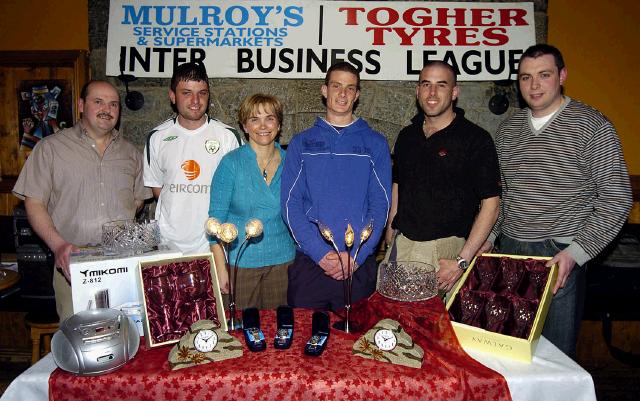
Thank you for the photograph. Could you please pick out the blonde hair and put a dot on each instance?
(250, 105)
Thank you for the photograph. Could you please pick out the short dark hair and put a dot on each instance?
(542, 49)
(440, 63)
(189, 72)
(343, 66)
(84, 91)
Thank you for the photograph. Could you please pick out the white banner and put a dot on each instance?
(301, 39)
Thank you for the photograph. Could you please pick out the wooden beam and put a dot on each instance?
(635, 187)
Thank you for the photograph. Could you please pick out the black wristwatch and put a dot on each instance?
(462, 263)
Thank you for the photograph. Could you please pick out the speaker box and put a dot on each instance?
(22, 231)
(35, 265)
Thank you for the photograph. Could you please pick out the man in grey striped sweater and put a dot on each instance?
(565, 186)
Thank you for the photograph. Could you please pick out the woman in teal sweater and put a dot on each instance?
(246, 185)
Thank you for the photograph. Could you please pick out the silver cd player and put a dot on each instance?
(95, 342)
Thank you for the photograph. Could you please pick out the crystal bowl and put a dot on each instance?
(130, 237)
(407, 281)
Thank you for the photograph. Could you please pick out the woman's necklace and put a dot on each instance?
(264, 171)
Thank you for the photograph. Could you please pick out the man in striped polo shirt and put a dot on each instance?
(565, 186)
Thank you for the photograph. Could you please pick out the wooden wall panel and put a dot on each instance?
(13, 331)
(7, 199)
(7, 203)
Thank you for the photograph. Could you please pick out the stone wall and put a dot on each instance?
(386, 105)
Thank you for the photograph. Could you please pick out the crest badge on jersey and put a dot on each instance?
(212, 146)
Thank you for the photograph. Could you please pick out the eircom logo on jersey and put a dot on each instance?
(191, 170)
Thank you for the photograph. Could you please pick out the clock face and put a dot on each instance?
(385, 339)
(205, 341)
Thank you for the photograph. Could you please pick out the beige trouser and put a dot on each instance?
(64, 302)
(261, 287)
(428, 252)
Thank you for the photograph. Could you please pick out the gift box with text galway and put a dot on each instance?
(176, 293)
(501, 302)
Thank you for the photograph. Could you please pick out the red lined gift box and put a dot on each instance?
(176, 293)
(501, 302)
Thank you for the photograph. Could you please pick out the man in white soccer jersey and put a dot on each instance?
(181, 155)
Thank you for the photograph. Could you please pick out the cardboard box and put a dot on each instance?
(152, 335)
(502, 345)
(110, 281)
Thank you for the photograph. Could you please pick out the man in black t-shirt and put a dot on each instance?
(446, 181)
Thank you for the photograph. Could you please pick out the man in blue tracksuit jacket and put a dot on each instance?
(337, 172)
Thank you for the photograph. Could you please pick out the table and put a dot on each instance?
(551, 376)
(8, 278)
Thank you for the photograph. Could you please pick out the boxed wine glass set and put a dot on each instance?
(501, 302)
(176, 293)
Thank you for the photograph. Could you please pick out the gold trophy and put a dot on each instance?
(227, 233)
(347, 283)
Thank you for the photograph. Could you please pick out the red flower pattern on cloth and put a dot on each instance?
(447, 372)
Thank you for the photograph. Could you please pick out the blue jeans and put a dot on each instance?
(565, 312)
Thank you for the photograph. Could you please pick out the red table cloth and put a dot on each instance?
(447, 372)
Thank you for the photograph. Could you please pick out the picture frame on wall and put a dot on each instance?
(22, 71)
(44, 108)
